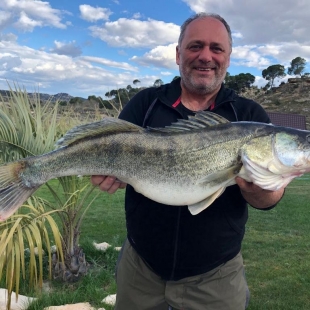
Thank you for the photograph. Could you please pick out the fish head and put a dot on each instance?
(292, 149)
(274, 159)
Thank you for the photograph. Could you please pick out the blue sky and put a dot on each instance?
(90, 47)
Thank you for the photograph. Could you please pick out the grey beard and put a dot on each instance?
(202, 89)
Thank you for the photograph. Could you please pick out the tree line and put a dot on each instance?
(117, 98)
(242, 81)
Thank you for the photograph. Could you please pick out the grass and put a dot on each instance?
(276, 252)
(98, 283)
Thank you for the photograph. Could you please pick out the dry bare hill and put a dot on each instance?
(292, 97)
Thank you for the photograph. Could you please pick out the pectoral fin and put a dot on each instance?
(221, 177)
(200, 206)
(219, 181)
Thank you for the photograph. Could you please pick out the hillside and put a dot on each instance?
(43, 97)
(292, 97)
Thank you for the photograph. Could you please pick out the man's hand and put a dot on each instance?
(106, 183)
(258, 197)
(248, 187)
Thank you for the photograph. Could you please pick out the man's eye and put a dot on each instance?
(217, 49)
(195, 47)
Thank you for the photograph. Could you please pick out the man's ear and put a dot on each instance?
(177, 55)
(228, 63)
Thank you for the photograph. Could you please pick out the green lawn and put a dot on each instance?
(276, 252)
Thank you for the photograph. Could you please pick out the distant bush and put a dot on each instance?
(276, 101)
(105, 104)
(75, 100)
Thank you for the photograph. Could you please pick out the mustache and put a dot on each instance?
(206, 65)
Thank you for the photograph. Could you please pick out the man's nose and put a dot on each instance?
(205, 54)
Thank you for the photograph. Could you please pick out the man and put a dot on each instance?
(172, 259)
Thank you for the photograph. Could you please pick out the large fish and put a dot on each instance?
(189, 163)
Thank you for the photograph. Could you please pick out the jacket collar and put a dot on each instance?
(170, 93)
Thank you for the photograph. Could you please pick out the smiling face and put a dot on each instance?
(203, 56)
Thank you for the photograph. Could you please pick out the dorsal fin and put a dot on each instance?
(202, 119)
(107, 126)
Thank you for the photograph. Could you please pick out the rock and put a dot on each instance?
(22, 302)
(103, 246)
(79, 306)
(36, 251)
(294, 80)
(47, 287)
(110, 300)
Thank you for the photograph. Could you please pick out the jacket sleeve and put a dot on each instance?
(259, 114)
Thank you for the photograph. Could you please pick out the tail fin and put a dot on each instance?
(13, 192)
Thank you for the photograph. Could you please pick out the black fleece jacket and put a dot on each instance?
(174, 243)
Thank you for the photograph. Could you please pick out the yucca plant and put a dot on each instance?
(28, 231)
(74, 206)
(27, 128)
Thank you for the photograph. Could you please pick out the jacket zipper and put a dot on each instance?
(176, 244)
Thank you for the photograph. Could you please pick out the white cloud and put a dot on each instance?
(262, 56)
(165, 73)
(69, 49)
(27, 14)
(9, 62)
(93, 14)
(5, 19)
(26, 23)
(261, 21)
(285, 52)
(249, 56)
(160, 56)
(136, 15)
(260, 82)
(109, 63)
(10, 37)
(237, 35)
(134, 33)
(91, 75)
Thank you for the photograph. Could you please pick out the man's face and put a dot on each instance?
(204, 55)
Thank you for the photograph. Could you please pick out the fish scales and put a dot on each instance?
(137, 155)
(190, 163)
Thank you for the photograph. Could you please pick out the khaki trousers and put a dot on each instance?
(138, 288)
